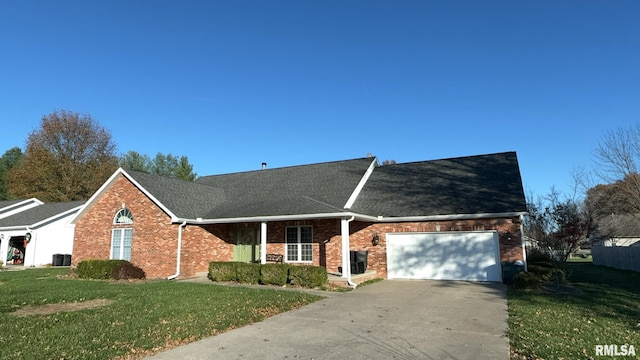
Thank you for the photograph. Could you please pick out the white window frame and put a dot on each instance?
(298, 244)
(120, 250)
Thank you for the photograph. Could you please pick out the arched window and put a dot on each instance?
(123, 216)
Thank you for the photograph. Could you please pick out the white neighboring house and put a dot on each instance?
(37, 233)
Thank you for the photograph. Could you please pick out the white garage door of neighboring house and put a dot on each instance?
(455, 255)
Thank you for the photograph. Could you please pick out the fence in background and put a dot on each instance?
(619, 257)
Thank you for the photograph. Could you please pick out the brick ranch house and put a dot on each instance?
(455, 218)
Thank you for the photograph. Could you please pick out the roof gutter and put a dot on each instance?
(14, 228)
(356, 216)
(448, 217)
(178, 256)
(338, 215)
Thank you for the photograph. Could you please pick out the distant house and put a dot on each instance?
(619, 230)
(455, 218)
(31, 236)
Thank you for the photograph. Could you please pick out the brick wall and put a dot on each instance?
(327, 242)
(203, 244)
(154, 244)
(154, 237)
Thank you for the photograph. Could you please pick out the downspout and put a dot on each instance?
(33, 250)
(346, 257)
(184, 223)
(523, 241)
(3, 252)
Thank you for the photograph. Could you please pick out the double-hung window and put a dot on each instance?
(121, 244)
(122, 237)
(299, 244)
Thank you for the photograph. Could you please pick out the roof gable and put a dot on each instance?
(296, 190)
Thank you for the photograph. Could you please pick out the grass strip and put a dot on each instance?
(600, 306)
(138, 318)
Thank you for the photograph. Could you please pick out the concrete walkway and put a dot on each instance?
(386, 320)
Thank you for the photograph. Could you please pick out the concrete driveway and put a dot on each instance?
(391, 319)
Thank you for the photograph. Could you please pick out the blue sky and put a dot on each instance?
(232, 84)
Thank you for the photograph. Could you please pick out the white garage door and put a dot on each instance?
(456, 255)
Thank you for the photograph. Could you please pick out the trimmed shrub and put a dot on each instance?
(548, 274)
(222, 271)
(540, 258)
(558, 276)
(526, 280)
(248, 273)
(308, 276)
(274, 274)
(127, 271)
(98, 269)
(542, 271)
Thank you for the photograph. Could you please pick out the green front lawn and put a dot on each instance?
(132, 320)
(600, 306)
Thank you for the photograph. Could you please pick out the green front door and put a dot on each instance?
(246, 247)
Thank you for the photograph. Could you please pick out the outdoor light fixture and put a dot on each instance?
(376, 239)
(507, 234)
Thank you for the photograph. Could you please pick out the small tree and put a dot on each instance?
(184, 170)
(559, 227)
(162, 164)
(133, 160)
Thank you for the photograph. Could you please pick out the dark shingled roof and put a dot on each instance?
(296, 190)
(481, 184)
(6, 203)
(39, 213)
(484, 184)
(10, 205)
(185, 199)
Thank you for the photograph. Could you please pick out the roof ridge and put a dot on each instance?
(285, 167)
(453, 158)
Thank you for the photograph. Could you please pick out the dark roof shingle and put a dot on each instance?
(482, 184)
(185, 199)
(296, 190)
